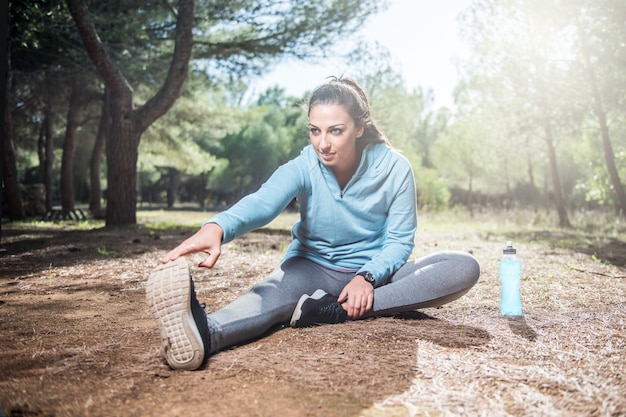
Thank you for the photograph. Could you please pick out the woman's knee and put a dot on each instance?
(462, 268)
(469, 267)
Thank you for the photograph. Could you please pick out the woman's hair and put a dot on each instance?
(348, 93)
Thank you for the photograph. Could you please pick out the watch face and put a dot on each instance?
(369, 277)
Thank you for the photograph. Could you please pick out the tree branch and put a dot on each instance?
(163, 100)
(113, 77)
(596, 273)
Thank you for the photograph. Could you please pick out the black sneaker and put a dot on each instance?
(180, 317)
(318, 308)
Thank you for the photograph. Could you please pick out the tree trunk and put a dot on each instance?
(48, 156)
(128, 123)
(556, 180)
(122, 149)
(69, 148)
(533, 188)
(507, 202)
(9, 165)
(95, 188)
(470, 197)
(174, 179)
(609, 157)
(600, 113)
(41, 151)
(202, 190)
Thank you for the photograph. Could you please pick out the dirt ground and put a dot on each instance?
(77, 339)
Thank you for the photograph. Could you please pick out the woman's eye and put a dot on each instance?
(336, 131)
(314, 130)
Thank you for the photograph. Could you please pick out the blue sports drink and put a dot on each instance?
(510, 279)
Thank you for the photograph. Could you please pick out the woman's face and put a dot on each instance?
(333, 134)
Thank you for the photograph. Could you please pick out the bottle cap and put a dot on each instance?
(509, 250)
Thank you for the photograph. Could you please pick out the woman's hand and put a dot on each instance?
(357, 298)
(208, 240)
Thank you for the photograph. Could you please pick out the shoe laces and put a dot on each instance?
(331, 310)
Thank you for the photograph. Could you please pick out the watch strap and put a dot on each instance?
(369, 277)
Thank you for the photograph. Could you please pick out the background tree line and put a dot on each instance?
(135, 103)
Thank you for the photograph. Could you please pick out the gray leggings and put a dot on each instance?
(427, 282)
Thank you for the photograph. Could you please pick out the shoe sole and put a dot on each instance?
(168, 292)
(297, 312)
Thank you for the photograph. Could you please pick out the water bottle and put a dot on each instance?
(510, 276)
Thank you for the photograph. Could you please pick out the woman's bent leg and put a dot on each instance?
(431, 281)
(268, 303)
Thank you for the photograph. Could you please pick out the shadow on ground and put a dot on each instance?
(606, 249)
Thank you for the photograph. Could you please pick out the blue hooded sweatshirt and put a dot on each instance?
(369, 225)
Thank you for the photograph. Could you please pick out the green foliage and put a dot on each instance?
(186, 139)
(595, 186)
(41, 37)
(102, 250)
(272, 136)
(432, 190)
(413, 126)
(228, 150)
(239, 37)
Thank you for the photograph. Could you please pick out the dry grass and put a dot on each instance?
(564, 357)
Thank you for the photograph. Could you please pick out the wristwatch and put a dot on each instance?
(369, 277)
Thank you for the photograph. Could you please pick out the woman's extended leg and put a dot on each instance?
(188, 335)
(269, 302)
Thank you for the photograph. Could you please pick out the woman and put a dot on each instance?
(349, 250)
